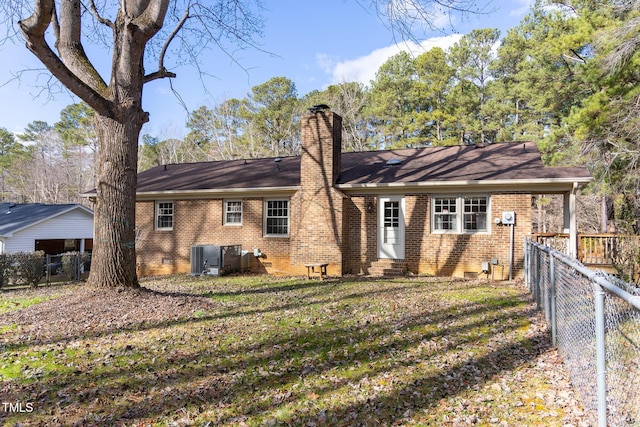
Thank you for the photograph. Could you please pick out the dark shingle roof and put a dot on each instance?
(502, 161)
(15, 217)
(494, 162)
(229, 174)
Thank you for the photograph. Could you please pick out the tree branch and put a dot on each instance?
(171, 37)
(162, 71)
(160, 74)
(98, 17)
(69, 46)
(150, 21)
(33, 29)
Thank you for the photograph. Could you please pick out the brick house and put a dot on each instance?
(435, 210)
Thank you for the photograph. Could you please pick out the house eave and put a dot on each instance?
(215, 193)
(11, 232)
(547, 185)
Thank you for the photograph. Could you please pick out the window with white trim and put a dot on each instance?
(460, 214)
(233, 212)
(475, 214)
(445, 212)
(164, 215)
(276, 218)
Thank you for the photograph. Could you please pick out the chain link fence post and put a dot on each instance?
(595, 324)
(552, 300)
(601, 355)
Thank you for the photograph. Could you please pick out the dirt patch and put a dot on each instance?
(84, 311)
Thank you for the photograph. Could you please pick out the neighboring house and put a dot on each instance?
(436, 210)
(53, 229)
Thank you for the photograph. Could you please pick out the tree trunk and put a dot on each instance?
(114, 255)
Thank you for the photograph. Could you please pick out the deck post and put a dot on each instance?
(571, 220)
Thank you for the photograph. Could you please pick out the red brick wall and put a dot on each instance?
(317, 221)
(327, 226)
(317, 235)
(362, 237)
(441, 254)
(201, 222)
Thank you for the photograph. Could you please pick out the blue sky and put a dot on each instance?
(314, 44)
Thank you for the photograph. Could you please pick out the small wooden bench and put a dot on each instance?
(321, 269)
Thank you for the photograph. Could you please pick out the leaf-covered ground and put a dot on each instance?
(258, 350)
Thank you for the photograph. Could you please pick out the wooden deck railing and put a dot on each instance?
(593, 249)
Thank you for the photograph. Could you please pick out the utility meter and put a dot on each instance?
(508, 218)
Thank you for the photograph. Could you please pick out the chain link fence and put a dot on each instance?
(33, 268)
(595, 323)
(67, 266)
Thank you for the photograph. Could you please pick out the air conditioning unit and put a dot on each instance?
(215, 260)
(245, 261)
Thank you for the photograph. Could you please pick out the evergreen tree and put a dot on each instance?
(272, 119)
(10, 152)
(392, 105)
(471, 58)
(434, 81)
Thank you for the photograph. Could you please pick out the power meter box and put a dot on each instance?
(508, 218)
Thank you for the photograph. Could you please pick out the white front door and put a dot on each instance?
(391, 227)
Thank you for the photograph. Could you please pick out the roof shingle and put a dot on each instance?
(501, 161)
(14, 217)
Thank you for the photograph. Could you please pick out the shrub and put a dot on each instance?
(28, 266)
(70, 265)
(626, 258)
(5, 269)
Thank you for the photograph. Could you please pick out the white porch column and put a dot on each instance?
(571, 220)
(81, 246)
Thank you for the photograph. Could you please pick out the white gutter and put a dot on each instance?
(214, 192)
(540, 184)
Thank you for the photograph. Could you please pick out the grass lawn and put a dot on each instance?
(259, 350)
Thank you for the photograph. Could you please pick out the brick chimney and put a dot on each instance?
(321, 148)
(317, 235)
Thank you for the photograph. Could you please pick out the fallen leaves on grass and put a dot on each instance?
(274, 351)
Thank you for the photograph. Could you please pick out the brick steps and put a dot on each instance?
(388, 268)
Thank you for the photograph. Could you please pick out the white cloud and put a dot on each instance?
(442, 18)
(364, 68)
(325, 62)
(522, 8)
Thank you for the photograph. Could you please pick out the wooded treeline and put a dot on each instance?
(565, 77)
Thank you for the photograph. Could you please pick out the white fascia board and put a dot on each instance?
(550, 185)
(215, 193)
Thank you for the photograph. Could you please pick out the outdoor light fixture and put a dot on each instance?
(369, 207)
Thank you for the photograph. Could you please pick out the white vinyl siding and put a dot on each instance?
(75, 224)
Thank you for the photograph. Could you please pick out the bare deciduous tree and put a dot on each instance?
(136, 32)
